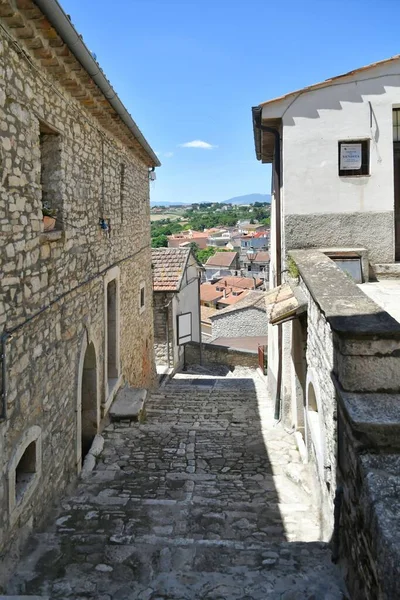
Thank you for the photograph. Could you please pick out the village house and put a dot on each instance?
(226, 291)
(255, 264)
(333, 352)
(244, 323)
(178, 240)
(176, 283)
(220, 264)
(76, 303)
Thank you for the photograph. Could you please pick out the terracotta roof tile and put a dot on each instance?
(168, 268)
(208, 293)
(222, 259)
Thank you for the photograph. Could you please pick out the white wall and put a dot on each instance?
(188, 301)
(313, 124)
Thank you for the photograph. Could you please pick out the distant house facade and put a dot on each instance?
(333, 353)
(176, 280)
(255, 264)
(76, 260)
(222, 263)
(246, 318)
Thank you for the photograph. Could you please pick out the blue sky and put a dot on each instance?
(191, 70)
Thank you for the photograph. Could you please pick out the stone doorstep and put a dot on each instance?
(127, 404)
(376, 416)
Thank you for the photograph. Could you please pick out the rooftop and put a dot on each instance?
(208, 293)
(206, 313)
(250, 299)
(168, 268)
(222, 259)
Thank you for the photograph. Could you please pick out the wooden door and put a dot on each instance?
(397, 200)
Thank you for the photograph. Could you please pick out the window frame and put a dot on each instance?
(142, 295)
(365, 169)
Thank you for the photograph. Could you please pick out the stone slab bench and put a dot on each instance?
(127, 404)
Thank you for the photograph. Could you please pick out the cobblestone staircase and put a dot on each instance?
(192, 503)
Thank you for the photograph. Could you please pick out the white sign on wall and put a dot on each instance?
(350, 157)
(184, 328)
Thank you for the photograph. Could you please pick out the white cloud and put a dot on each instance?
(198, 144)
(168, 154)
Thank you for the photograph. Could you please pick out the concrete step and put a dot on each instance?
(128, 404)
(387, 271)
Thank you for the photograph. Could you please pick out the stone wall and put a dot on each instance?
(352, 425)
(241, 323)
(162, 313)
(220, 355)
(54, 284)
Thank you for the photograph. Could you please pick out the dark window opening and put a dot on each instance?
(142, 297)
(50, 177)
(353, 158)
(112, 338)
(122, 189)
(25, 471)
(396, 124)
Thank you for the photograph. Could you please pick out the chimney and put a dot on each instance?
(254, 283)
(224, 292)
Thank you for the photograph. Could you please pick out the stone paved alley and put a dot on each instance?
(196, 502)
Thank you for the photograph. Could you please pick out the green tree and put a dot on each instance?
(160, 241)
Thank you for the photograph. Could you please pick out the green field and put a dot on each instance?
(161, 216)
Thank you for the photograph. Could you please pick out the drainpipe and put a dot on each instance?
(277, 182)
(4, 375)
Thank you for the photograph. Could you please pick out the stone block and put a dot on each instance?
(128, 404)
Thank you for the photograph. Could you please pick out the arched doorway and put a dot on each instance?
(315, 432)
(88, 408)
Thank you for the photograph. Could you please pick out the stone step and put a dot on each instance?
(128, 404)
(387, 271)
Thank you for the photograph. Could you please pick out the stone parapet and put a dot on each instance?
(220, 355)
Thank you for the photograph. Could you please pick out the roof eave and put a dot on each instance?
(52, 10)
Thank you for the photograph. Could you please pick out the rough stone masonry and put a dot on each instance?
(71, 306)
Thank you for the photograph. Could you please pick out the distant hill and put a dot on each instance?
(249, 199)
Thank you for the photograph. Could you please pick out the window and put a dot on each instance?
(353, 159)
(50, 177)
(396, 124)
(121, 189)
(25, 471)
(112, 366)
(142, 298)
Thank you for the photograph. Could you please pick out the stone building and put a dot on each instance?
(246, 318)
(176, 283)
(333, 352)
(76, 288)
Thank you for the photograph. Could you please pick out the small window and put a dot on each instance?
(142, 298)
(50, 177)
(122, 189)
(396, 124)
(353, 158)
(25, 471)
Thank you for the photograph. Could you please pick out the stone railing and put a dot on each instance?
(353, 367)
(220, 355)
